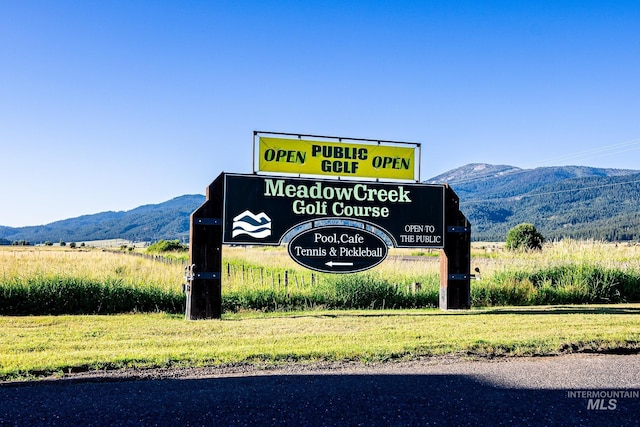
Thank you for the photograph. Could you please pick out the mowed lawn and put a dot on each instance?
(38, 346)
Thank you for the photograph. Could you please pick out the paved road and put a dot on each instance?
(567, 390)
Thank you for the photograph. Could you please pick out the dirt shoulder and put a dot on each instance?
(572, 370)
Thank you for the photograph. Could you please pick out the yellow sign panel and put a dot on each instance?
(358, 160)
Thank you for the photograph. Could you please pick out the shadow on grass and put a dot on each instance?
(565, 309)
(524, 310)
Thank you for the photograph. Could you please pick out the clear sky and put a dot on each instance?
(109, 105)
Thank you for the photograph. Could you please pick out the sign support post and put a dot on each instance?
(455, 257)
(204, 274)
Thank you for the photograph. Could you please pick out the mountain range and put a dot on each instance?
(168, 220)
(564, 201)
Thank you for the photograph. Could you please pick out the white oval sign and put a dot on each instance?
(337, 249)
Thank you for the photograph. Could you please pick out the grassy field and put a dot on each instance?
(40, 280)
(270, 319)
(59, 280)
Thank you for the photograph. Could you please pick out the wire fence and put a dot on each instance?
(240, 273)
(154, 257)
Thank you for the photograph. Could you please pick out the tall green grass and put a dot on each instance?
(373, 291)
(69, 295)
(569, 284)
(350, 291)
(572, 283)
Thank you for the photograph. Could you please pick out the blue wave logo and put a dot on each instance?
(257, 226)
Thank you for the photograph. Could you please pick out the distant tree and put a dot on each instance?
(524, 237)
(72, 245)
(63, 243)
(48, 243)
(21, 243)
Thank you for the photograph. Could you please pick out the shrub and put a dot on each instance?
(167, 246)
(524, 237)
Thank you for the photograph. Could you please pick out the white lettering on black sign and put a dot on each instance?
(326, 200)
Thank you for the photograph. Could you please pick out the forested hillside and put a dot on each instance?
(576, 202)
(168, 220)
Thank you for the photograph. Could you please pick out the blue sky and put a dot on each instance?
(109, 105)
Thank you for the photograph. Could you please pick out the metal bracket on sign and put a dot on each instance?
(207, 221)
(459, 276)
(458, 229)
(206, 275)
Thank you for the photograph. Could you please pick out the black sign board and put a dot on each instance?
(337, 249)
(260, 210)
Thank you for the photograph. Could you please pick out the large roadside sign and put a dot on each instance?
(338, 204)
(338, 157)
(261, 210)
